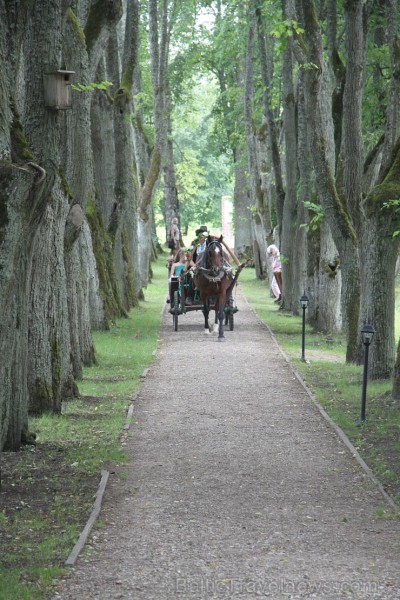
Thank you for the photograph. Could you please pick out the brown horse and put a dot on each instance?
(214, 279)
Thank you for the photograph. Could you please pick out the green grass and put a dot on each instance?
(337, 385)
(49, 488)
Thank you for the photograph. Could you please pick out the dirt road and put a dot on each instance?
(238, 487)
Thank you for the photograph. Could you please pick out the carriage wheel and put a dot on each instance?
(227, 310)
(176, 310)
(229, 316)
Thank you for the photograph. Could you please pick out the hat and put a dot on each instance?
(201, 229)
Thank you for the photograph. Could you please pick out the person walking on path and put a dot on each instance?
(276, 283)
(237, 487)
(175, 236)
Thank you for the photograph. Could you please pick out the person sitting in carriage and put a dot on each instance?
(196, 248)
(183, 263)
(178, 266)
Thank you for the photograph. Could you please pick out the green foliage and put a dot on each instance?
(91, 87)
(377, 78)
(393, 205)
(190, 177)
(317, 216)
(283, 30)
(203, 170)
(308, 66)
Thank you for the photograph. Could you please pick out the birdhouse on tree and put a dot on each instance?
(57, 89)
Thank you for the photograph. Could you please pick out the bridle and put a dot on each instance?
(213, 273)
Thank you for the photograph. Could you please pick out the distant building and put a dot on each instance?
(227, 220)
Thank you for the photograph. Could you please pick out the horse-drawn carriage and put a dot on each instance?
(209, 286)
(182, 302)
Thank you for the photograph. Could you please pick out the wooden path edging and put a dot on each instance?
(77, 549)
(91, 521)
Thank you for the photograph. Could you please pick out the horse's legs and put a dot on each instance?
(221, 336)
(206, 312)
(216, 326)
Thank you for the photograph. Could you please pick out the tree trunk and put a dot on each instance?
(242, 214)
(159, 49)
(123, 223)
(241, 201)
(304, 259)
(171, 204)
(318, 106)
(266, 75)
(147, 159)
(289, 223)
(49, 368)
(378, 259)
(79, 180)
(261, 220)
(329, 319)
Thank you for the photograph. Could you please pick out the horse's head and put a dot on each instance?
(214, 253)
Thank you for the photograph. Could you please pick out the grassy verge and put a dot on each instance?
(48, 489)
(337, 386)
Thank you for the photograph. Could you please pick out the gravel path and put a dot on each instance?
(238, 487)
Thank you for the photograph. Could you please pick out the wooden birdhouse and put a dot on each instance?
(57, 89)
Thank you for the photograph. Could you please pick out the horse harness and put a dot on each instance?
(213, 274)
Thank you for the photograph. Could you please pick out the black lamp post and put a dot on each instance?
(304, 304)
(367, 333)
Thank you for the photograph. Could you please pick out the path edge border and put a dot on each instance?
(91, 521)
(325, 415)
(79, 545)
(77, 549)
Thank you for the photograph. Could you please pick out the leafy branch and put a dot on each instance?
(91, 87)
(284, 30)
(317, 216)
(396, 205)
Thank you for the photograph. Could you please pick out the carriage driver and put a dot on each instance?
(200, 242)
(196, 248)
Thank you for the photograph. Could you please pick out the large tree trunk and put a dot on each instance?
(84, 306)
(23, 202)
(20, 197)
(241, 201)
(329, 319)
(266, 75)
(147, 159)
(261, 217)
(379, 253)
(289, 223)
(171, 204)
(324, 276)
(160, 31)
(318, 106)
(49, 368)
(305, 258)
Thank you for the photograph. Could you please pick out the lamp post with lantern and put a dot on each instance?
(304, 304)
(367, 333)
